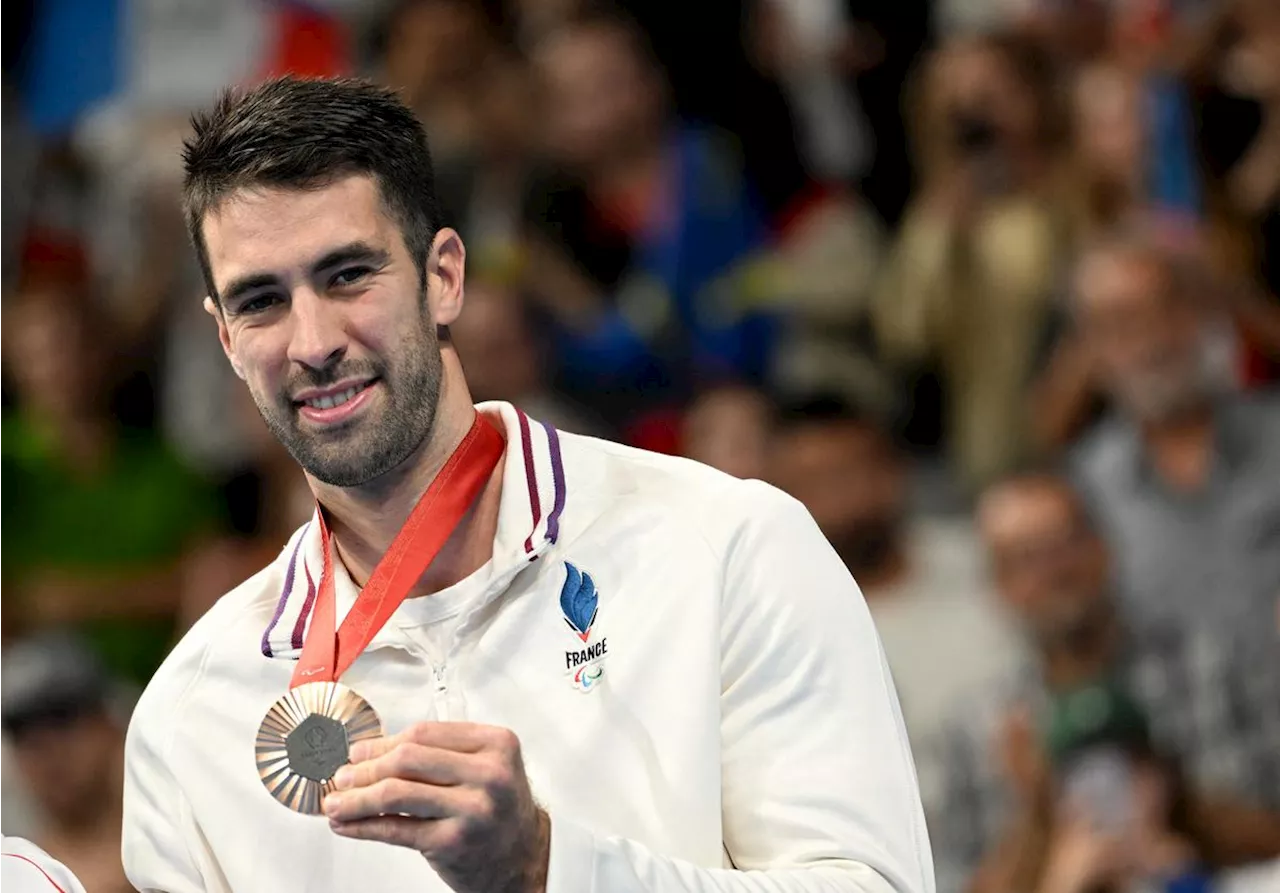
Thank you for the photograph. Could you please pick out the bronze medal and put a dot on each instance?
(306, 737)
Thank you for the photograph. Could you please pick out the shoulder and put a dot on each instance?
(1259, 409)
(681, 491)
(1101, 455)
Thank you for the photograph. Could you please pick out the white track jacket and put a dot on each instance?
(728, 724)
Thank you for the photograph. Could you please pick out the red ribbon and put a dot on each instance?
(326, 655)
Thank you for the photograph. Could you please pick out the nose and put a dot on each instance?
(318, 338)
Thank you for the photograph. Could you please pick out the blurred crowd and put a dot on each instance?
(992, 286)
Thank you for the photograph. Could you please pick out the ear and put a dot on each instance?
(224, 338)
(446, 272)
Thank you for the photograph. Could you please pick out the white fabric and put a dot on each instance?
(745, 718)
(25, 868)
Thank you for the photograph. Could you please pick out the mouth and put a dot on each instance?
(335, 405)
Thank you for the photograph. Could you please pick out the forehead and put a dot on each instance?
(1108, 278)
(1026, 509)
(271, 230)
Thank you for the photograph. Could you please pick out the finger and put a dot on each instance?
(397, 796)
(413, 762)
(393, 829)
(464, 737)
(427, 837)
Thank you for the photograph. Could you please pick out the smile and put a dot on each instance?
(335, 407)
(329, 401)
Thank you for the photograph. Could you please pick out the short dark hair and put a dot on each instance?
(304, 134)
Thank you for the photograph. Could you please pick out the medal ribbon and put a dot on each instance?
(327, 654)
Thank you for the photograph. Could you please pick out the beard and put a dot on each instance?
(364, 450)
(1073, 622)
(1171, 389)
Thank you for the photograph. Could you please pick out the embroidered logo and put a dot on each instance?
(579, 603)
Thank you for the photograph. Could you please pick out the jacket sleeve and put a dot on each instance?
(157, 820)
(819, 790)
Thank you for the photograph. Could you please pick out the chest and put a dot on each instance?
(608, 674)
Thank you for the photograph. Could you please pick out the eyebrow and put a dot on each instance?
(350, 253)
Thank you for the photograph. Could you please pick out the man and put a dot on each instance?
(923, 578)
(67, 740)
(617, 671)
(25, 868)
(1186, 476)
(1216, 711)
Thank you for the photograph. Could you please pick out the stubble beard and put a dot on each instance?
(370, 447)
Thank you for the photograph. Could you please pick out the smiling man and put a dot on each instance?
(498, 657)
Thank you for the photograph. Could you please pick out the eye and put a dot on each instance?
(349, 276)
(257, 304)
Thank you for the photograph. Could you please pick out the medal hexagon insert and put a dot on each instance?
(317, 748)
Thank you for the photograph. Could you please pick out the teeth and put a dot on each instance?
(331, 400)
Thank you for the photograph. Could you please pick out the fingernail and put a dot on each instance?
(331, 804)
(342, 779)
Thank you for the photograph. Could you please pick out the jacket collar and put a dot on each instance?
(530, 512)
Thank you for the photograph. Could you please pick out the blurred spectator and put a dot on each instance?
(730, 427)
(1186, 473)
(1213, 705)
(432, 51)
(923, 578)
(969, 280)
(98, 517)
(1236, 77)
(1122, 819)
(482, 192)
(266, 502)
(66, 730)
(806, 46)
(505, 360)
(632, 240)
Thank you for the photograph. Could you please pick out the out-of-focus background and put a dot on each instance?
(992, 286)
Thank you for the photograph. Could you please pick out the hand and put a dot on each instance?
(457, 793)
(1080, 858)
(1022, 757)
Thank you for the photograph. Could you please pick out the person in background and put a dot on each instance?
(99, 517)
(1121, 821)
(434, 52)
(1185, 473)
(633, 235)
(730, 427)
(922, 577)
(1213, 703)
(60, 715)
(505, 358)
(966, 290)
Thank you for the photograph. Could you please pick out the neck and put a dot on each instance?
(1181, 447)
(1082, 656)
(365, 520)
